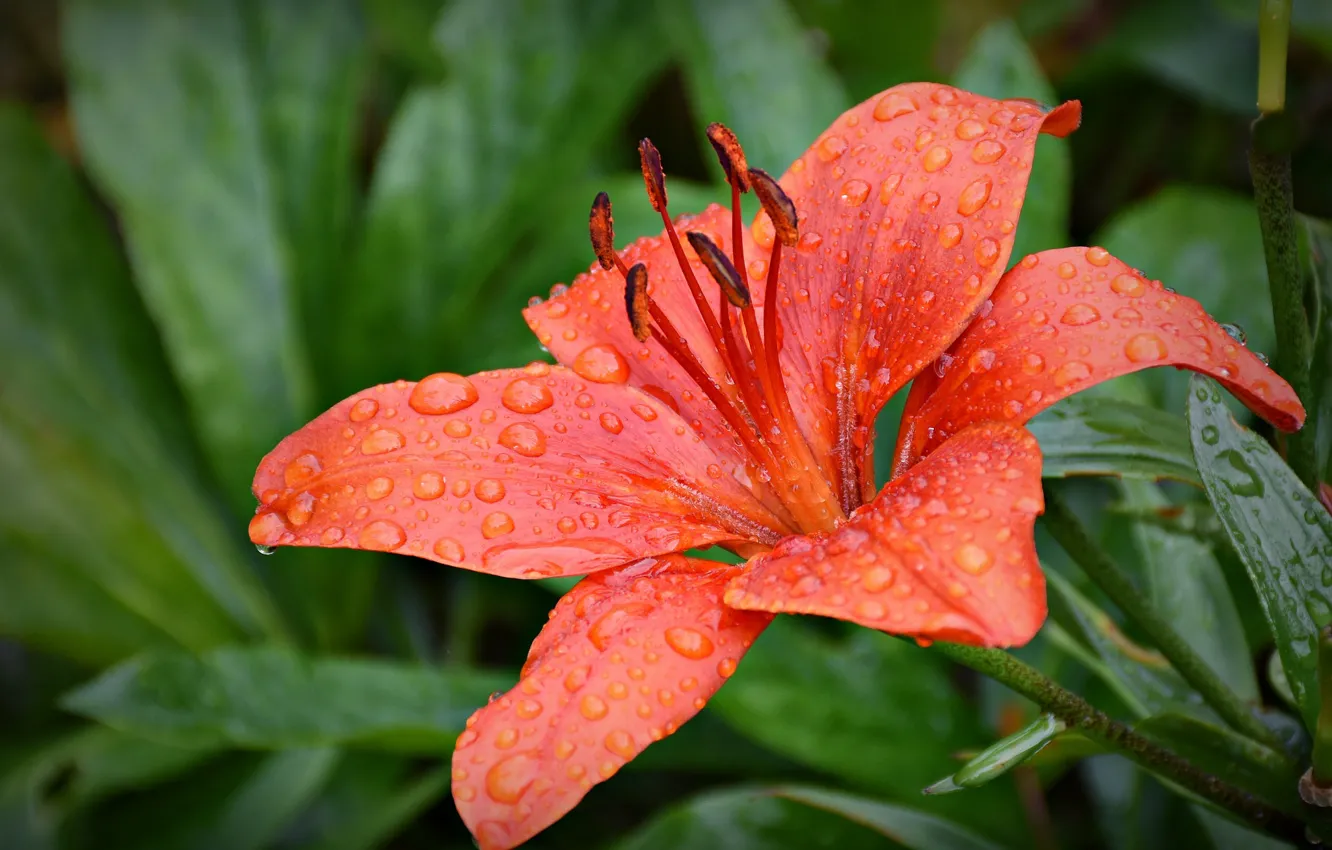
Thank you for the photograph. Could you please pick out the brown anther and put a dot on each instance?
(601, 227)
(730, 155)
(777, 205)
(721, 268)
(636, 301)
(653, 177)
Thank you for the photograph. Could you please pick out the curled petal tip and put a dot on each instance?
(1063, 119)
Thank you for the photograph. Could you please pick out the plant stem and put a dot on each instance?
(1095, 724)
(1269, 165)
(1068, 530)
(1273, 36)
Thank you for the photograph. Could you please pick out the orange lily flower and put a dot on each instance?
(691, 411)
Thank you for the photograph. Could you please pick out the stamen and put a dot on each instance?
(777, 205)
(637, 303)
(601, 227)
(730, 155)
(653, 177)
(721, 269)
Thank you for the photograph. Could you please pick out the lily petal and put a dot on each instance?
(908, 207)
(627, 657)
(1064, 320)
(586, 329)
(525, 473)
(944, 552)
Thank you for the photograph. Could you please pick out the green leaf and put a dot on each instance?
(1141, 677)
(108, 543)
(1000, 65)
(896, 46)
(1102, 436)
(750, 65)
(265, 698)
(1186, 586)
(1318, 239)
(467, 172)
(1203, 243)
(222, 133)
(1227, 755)
(367, 808)
(875, 710)
(40, 789)
(796, 816)
(241, 802)
(1280, 531)
(910, 828)
(1191, 47)
(1001, 756)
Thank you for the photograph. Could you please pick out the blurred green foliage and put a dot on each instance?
(217, 217)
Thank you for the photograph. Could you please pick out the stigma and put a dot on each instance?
(750, 394)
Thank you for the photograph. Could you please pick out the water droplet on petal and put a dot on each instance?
(524, 438)
(489, 490)
(428, 486)
(621, 743)
(496, 524)
(972, 558)
(382, 441)
(970, 129)
(611, 422)
(987, 151)
(1236, 333)
(1145, 348)
(363, 409)
(1128, 285)
(690, 643)
(382, 536)
(301, 469)
(1080, 314)
(950, 235)
(508, 779)
(378, 488)
(601, 364)
(264, 550)
(974, 196)
(936, 158)
(593, 707)
(1098, 256)
(525, 395)
(893, 105)
(1071, 372)
(443, 392)
(987, 251)
(854, 192)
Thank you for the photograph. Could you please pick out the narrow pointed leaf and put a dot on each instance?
(796, 816)
(1278, 528)
(1228, 756)
(1141, 676)
(108, 541)
(852, 709)
(264, 698)
(1100, 436)
(1002, 756)
(1001, 65)
(1184, 582)
(750, 65)
(466, 173)
(221, 132)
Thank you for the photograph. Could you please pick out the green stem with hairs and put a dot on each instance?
(1078, 714)
(1066, 528)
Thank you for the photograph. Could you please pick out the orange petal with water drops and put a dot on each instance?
(1064, 320)
(908, 208)
(628, 655)
(526, 473)
(585, 325)
(944, 552)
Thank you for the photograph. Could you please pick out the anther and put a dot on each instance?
(721, 269)
(637, 302)
(777, 205)
(653, 177)
(730, 155)
(601, 227)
